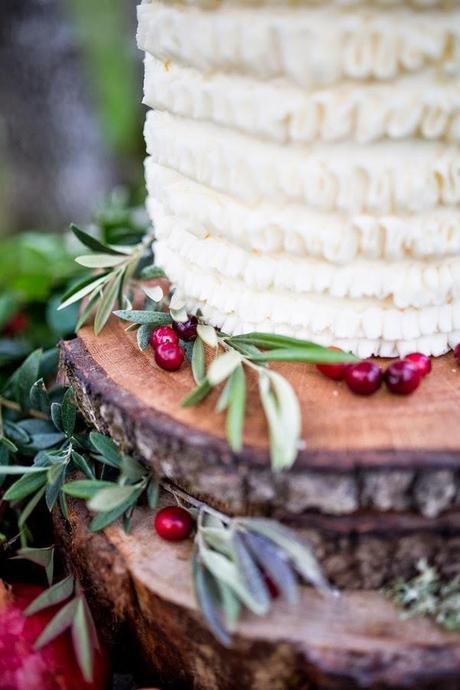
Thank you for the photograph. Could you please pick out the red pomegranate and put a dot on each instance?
(52, 668)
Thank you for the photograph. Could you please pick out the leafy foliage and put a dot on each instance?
(427, 594)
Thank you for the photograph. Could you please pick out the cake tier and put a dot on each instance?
(303, 170)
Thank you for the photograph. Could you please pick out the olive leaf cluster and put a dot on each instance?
(74, 613)
(44, 424)
(108, 283)
(238, 563)
(234, 357)
(427, 594)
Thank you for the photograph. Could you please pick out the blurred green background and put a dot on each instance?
(70, 110)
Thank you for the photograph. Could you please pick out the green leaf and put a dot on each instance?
(106, 447)
(198, 394)
(86, 488)
(111, 498)
(223, 366)
(82, 289)
(104, 519)
(236, 409)
(39, 399)
(151, 272)
(45, 441)
(87, 310)
(26, 485)
(68, 413)
(282, 411)
(231, 605)
(269, 341)
(198, 361)
(156, 293)
(132, 469)
(109, 297)
(143, 336)
(207, 595)
(100, 260)
(55, 594)
(91, 242)
(274, 563)
(315, 355)
(222, 402)
(153, 492)
(61, 622)
(155, 318)
(43, 557)
(226, 570)
(30, 507)
(208, 335)
(56, 417)
(300, 554)
(20, 469)
(250, 573)
(16, 433)
(25, 377)
(9, 445)
(82, 464)
(56, 477)
(81, 638)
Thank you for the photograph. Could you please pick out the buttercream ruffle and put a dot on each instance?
(376, 178)
(279, 111)
(308, 45)
(403, 284)
(297, 230)
(240, 308)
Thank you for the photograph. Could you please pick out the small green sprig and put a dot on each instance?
(427, 594)
(108, 285)
(233, 357)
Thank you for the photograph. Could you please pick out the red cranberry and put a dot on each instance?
(169, 356)
(421, 362)
(457, 353)
(162, 335)
(403, 377)
(16, 325)
(173, 523)
(186, 330)
(336, 372)
(363, 378)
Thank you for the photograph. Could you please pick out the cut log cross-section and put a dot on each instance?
(376, 487)
(355, 641)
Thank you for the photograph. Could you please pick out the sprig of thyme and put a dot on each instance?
(427, 594)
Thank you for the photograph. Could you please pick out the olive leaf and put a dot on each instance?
(151, 272)
(155, 318)
(108, 299)
(43, 557)
(82, 289)
(208, 335)
(143, 336)
(282, 411)
(236, 408)
(85, 488)
(100, 260)
(223, 366)
(55, 594)
(110, 498)
(198, 361)
(93, 243)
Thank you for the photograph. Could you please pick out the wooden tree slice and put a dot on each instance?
(358, 640)
(378, 454)
(370, 509)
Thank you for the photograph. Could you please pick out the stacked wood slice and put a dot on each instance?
(376, 488)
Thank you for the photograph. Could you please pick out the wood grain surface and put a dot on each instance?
(142, 584)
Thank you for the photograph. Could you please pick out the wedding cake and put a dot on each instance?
(303, 167)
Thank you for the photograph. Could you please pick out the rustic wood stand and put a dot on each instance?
(376, 487)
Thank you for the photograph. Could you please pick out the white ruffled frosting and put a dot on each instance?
(283, 112)
(304, 167)
(307, 45)
(377, 178)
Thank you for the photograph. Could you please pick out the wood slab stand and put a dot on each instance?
(376, 487)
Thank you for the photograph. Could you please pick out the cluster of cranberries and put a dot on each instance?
(165, 341)
(364, 378)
